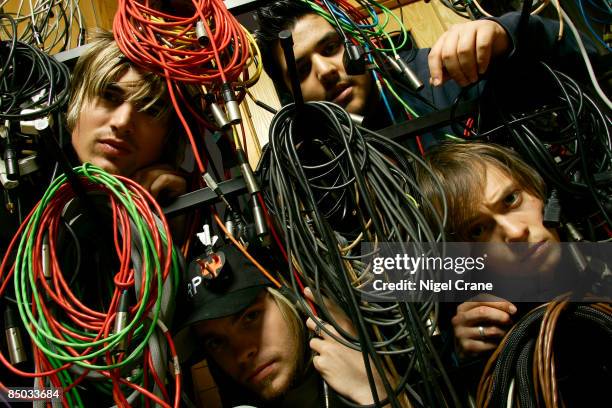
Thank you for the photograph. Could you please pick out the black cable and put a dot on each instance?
(561, 132)
(346, 184)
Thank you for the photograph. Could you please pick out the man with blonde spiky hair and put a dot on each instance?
(121, 119)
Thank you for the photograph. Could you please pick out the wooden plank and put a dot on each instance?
(447, 16)
(264, 91)
(423, 22)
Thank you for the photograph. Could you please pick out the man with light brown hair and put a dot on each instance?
(492, 197)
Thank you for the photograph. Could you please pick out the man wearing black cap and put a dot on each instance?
(256, 343)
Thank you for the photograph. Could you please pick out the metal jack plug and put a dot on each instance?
(14, 342)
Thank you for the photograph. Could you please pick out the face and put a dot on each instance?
(255, 347)
(510, 221)
(113, 134)
(318, 53)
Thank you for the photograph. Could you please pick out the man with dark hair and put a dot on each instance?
(459, 58)
(257, 344)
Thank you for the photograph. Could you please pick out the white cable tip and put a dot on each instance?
(206, 234)
(214, 240)
(202, 237)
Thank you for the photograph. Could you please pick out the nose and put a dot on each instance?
(325, 69)
(512, 229)
(122, 118)
(245, 349)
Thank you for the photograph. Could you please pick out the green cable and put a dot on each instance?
(357, 35)
(23, 267)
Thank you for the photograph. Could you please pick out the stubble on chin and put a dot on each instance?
(268, 392)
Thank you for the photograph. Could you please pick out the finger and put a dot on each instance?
(171, 185)
(318, 363)
(490, 332)
(482, 315)
(502, 305)
(450, 58)
(316, 344)
(470, 332)
(484, 44)
(435, 62)
(473, 347)
(466, 55)
(308, 294)
(144, 179)
(310, 323)
(318, 328)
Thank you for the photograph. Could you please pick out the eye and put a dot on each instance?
(479, 231)
(154, 110)
(303, 70)
(331, 48)
(513, 199)
(251, 316)
(112, 97)
(213, 344)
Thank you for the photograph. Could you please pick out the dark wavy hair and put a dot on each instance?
(273, 18)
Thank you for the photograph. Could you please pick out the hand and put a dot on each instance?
(465, 50)
(341, 367)
(162, 181)
(494, 317)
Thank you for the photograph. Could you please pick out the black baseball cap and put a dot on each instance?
(220, 284)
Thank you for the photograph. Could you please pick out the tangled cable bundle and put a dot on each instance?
(331, 187)
(29, 79)
(524, 369)
(170, 46)
(208, 48)
(366, 27)
(48, 24)
(566, 137)
(73, 324)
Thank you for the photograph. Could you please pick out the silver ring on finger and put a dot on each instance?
(482, 332)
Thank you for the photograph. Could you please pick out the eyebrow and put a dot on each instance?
(113, 87)
(233, 320)
(332, 34)
(496, 200)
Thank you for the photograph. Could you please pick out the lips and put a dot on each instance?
(535, 250)
(261, 372)
(115, 147)
(341, 94)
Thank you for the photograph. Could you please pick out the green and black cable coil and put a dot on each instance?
(530, 366)
(332, 186)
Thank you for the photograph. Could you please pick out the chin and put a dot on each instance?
(110, 167)
(275, 387)
(357, 106)
(273, 390)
